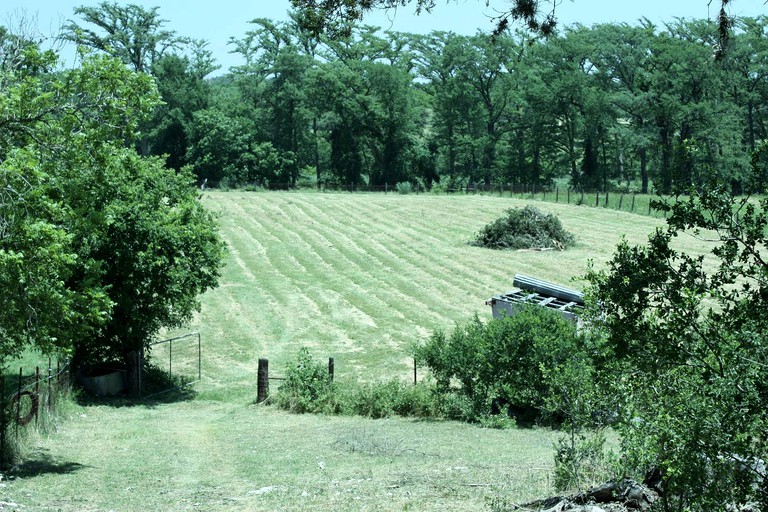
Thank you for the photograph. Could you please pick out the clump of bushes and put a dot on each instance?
(529, 367)
(307, 388)
(510, 366)
(525, 228)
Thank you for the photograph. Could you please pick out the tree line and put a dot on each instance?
(612, 106)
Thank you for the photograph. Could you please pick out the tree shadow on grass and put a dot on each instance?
(43, 463)
(159, 387)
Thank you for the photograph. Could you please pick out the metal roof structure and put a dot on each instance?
(529, 290)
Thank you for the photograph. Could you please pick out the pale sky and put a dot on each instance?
(217, 21)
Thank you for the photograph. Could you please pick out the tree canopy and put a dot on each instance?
(333, 16)
(99, 247)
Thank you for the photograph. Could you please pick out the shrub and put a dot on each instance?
(385, 399)
(581, 462)
(507, 365)
(404, 187)
(524, 229)
(307, 387)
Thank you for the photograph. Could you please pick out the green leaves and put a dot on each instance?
(99, 248)
(518, 363)
(690, 331)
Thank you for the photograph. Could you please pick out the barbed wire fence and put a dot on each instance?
(30, 401)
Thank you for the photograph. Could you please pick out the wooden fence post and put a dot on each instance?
(633, 203)
(3, 419)
(331, 368)
(621, 200)
(262, 386)
(414, 371)
(18, 402)
(37, 395)
(557, 194)
(597, 198)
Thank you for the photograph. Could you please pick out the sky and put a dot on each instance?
(220, 20)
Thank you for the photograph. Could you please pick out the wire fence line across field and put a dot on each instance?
(627, 201)
(183, 367)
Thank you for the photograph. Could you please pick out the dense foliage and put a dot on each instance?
(99, 247)
(686, 337)
(511, 364)
(307, 388)
(525, 228)
(605, 107)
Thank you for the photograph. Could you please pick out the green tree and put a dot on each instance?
(102, 247)
(129, 32)
(184, 91)
(685, 336)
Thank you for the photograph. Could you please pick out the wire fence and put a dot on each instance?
(631, 202)
(30, 401)
(175, 363)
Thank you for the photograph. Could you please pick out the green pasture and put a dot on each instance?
(359, 277)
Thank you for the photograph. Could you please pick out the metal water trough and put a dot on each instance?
(529, 290)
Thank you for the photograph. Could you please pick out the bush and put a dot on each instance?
(307, 387)
(581, 462)
(525, 228)
(509, 364)
(404, 187)
(385, 399)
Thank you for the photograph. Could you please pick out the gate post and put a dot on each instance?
(262, 389)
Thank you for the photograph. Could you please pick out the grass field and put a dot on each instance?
(357, 277)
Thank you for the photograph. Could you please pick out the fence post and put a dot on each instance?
(18, 402)
(606, 199)
(262, 386)
(37, 394)
(569, 196)
(3, 404)
(621, 200)
(414, 371)
(597, 198)
(633, 203)
(557, 194)
(331, 368)
(385, 189)
(50, 377)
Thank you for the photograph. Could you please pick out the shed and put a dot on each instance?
(529, 290)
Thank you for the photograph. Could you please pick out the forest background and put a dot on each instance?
(633, 107)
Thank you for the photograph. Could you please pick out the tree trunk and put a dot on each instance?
(133, 363)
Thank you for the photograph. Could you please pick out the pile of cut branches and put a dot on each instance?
(525, 228)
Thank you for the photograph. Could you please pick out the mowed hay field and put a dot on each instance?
(357, 277)
(361, 277)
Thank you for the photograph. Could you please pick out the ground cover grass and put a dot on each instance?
(359, 277)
